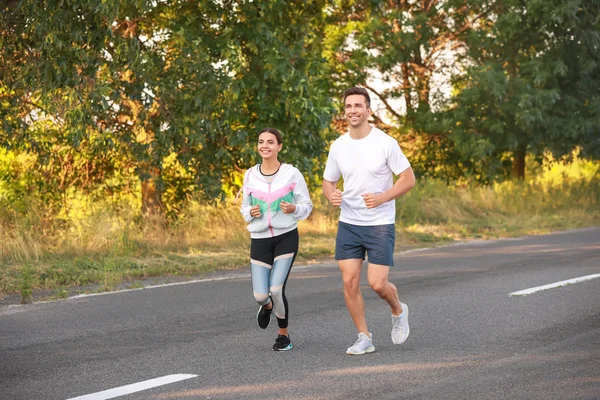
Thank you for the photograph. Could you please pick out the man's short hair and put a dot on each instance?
(358, 90)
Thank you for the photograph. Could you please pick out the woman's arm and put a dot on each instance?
(302, 200)
(246, 202)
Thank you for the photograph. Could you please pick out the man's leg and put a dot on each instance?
(350, 254)
(378, 280)
(354, 301)
(379, 241)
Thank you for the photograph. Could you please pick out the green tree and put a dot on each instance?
(534, 86)
(404, 42)
(279, 78)
(127, 85)
(400, 50)
(48, 58)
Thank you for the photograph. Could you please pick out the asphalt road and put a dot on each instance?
(469, 338)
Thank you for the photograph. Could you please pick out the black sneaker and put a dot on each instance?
(263, 317)
(282, 343)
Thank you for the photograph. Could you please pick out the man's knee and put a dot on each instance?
(379, 285)
(351, 281)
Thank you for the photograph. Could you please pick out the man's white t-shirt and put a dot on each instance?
(366, 165)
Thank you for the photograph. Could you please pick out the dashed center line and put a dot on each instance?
(134, 387)
(525, 292)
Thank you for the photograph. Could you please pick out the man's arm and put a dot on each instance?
(405, 182)
(331, 192)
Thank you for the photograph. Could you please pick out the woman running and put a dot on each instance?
(275, 199)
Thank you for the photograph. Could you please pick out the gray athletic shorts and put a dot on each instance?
(352, 241)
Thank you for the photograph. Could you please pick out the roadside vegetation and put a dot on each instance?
(102, 246)
(125, 126)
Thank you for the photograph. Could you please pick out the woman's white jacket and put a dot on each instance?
(288, 185)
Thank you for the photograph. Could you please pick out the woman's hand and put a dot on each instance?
(287, 208)
(255, 211)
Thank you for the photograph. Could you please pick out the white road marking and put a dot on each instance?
(15, 308)
(525, 292)
(223, 278)
(135, 387)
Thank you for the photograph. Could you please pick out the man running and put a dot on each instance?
(365, 157)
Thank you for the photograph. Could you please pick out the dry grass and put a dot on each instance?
(103, 244)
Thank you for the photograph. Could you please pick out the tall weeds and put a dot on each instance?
(103, 242)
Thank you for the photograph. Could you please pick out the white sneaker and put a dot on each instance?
(363, 345)
(400, 328)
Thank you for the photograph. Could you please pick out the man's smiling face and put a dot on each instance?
(356, 110)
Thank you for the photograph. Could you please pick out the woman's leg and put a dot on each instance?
(285, 253)
(260, 282)
(261, 263)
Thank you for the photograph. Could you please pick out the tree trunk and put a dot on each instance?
(422, 74)
(152, 204)
(406, 88)
(518, 164)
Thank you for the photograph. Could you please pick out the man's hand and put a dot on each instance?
(372, 200)
(336, 198)
(287, 208)
(255, 211)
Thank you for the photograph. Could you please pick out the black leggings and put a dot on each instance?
(271, 261)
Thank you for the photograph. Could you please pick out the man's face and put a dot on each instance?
(356, 110)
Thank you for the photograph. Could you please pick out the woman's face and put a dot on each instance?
(268, 146)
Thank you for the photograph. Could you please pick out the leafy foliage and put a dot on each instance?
(533, 86)
(404, 52)
(91, 88)
(161, 101)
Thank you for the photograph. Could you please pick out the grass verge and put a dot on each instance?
(108, 248)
